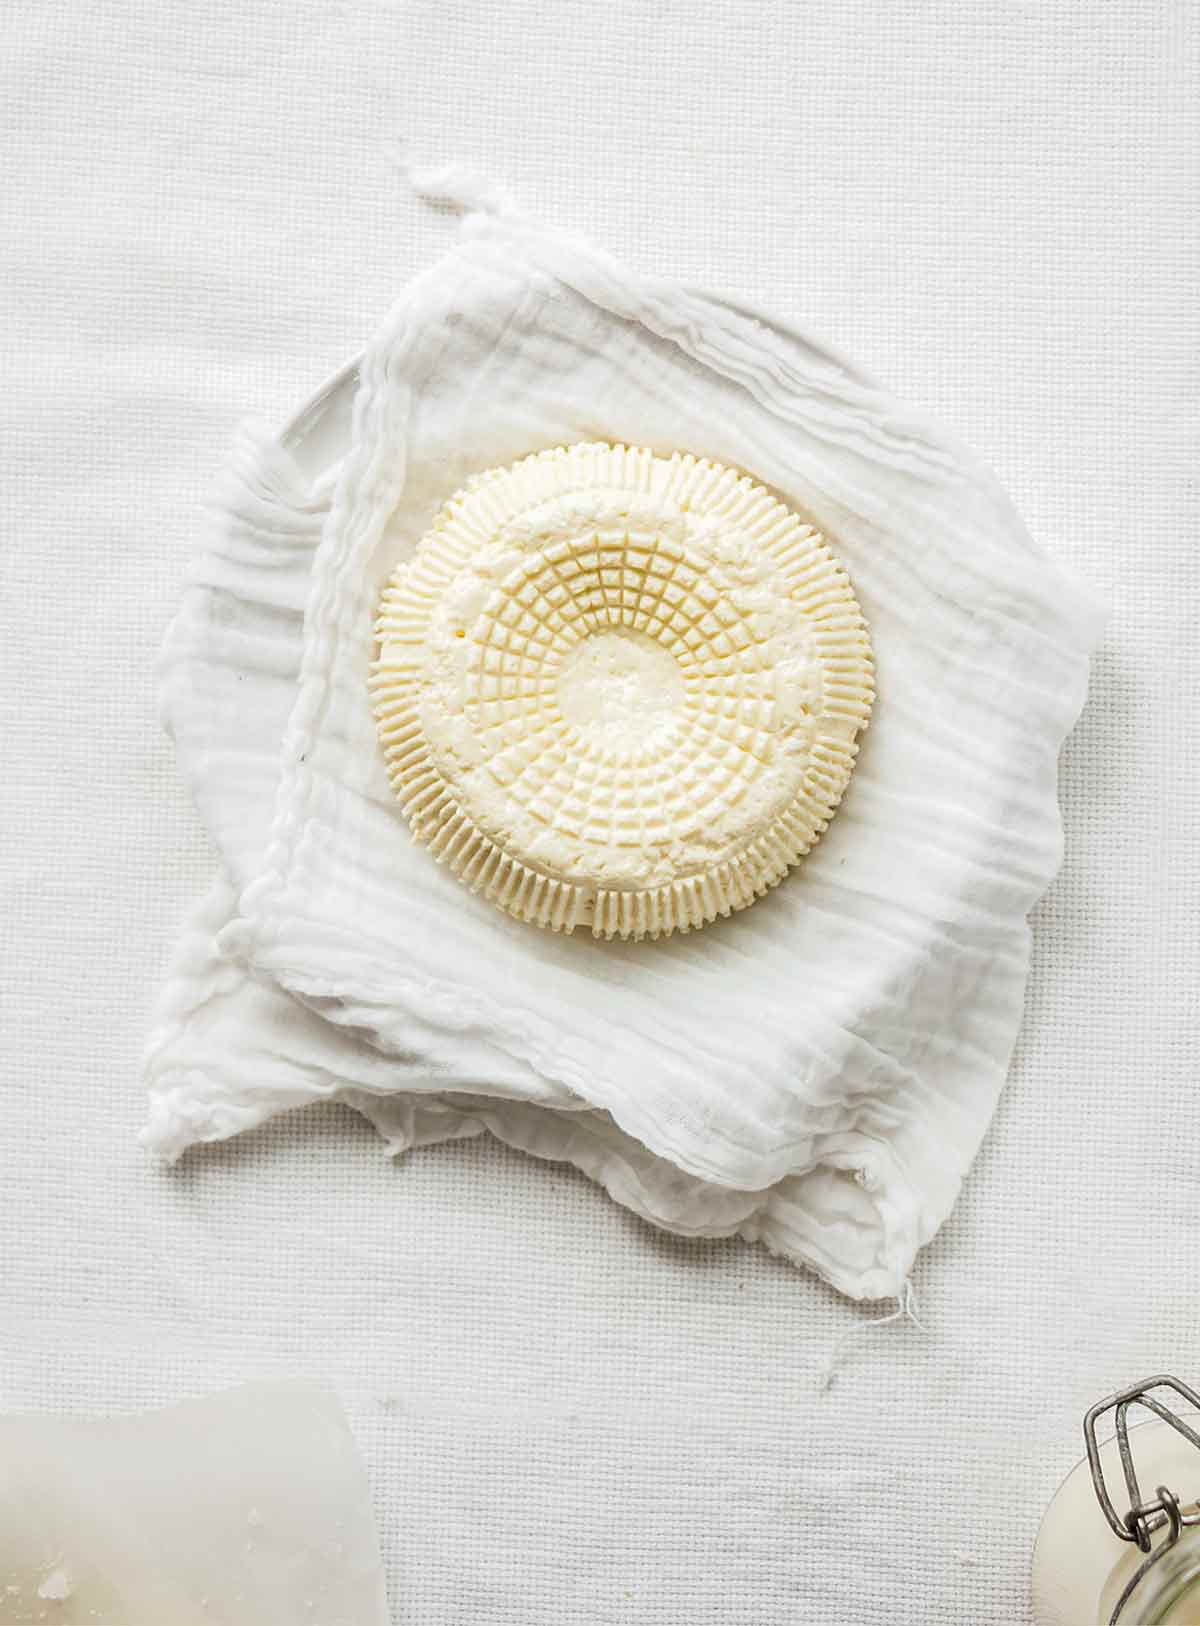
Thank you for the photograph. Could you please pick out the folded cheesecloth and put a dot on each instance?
(499, 727)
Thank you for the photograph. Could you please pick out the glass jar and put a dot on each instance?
(1133, 1561)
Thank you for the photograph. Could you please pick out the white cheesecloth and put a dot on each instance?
(815, 1073)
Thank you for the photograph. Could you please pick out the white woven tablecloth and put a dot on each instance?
(567, 1417)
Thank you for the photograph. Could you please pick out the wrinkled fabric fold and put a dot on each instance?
(815, 1073)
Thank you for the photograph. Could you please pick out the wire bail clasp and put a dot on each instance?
(1144, 1519)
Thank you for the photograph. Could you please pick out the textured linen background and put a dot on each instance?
(567, 1417)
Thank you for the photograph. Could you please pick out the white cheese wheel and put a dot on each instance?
(620, 691)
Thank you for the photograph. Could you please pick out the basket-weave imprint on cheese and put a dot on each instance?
(619, 690)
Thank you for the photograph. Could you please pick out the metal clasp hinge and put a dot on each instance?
(1144, 1518)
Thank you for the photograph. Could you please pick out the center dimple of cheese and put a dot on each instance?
(620, 690)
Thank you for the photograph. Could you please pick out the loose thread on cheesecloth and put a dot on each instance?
(906, 1310)
(455, 184)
